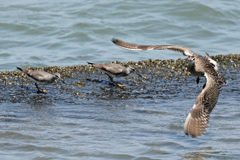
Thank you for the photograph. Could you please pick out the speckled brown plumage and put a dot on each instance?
(198, 118)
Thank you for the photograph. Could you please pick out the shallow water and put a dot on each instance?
(96, 120)
(63, 33)
(100, 121)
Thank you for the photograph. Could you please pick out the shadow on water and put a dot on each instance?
(102, 81)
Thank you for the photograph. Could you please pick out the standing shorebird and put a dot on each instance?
(41, 77)
(184, 50)
(115, 70)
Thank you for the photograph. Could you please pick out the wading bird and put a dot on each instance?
(115, 70)
(41, 77)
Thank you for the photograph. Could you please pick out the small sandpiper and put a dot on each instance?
(184, 50)
(115, 70)
(41, 77)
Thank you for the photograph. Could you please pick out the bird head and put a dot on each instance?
(191, 61)
(132, 70)
(57, 76)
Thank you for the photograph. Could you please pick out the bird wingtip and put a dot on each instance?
(114, 40)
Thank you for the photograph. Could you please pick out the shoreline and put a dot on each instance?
(165, 78)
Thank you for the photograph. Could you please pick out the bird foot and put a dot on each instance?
(39, 89)
(119, 85)
(197, 80)
(204, 86)
(45, 91)
(42, 91)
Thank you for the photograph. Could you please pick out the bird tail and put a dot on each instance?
(89, 63)
(20, 69)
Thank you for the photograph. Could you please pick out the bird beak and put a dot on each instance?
(139, 74)
(61, 80)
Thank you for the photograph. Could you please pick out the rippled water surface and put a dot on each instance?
(103, 122)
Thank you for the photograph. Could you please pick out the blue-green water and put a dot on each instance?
(150, 126)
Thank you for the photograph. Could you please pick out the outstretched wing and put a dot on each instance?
(196, 121)
(198, 118)
(184, 50)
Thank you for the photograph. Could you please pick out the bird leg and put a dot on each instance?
(39, 89)
(204, 86)
(111, 79)
(197, 80)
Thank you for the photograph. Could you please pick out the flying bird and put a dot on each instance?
(197, 120)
